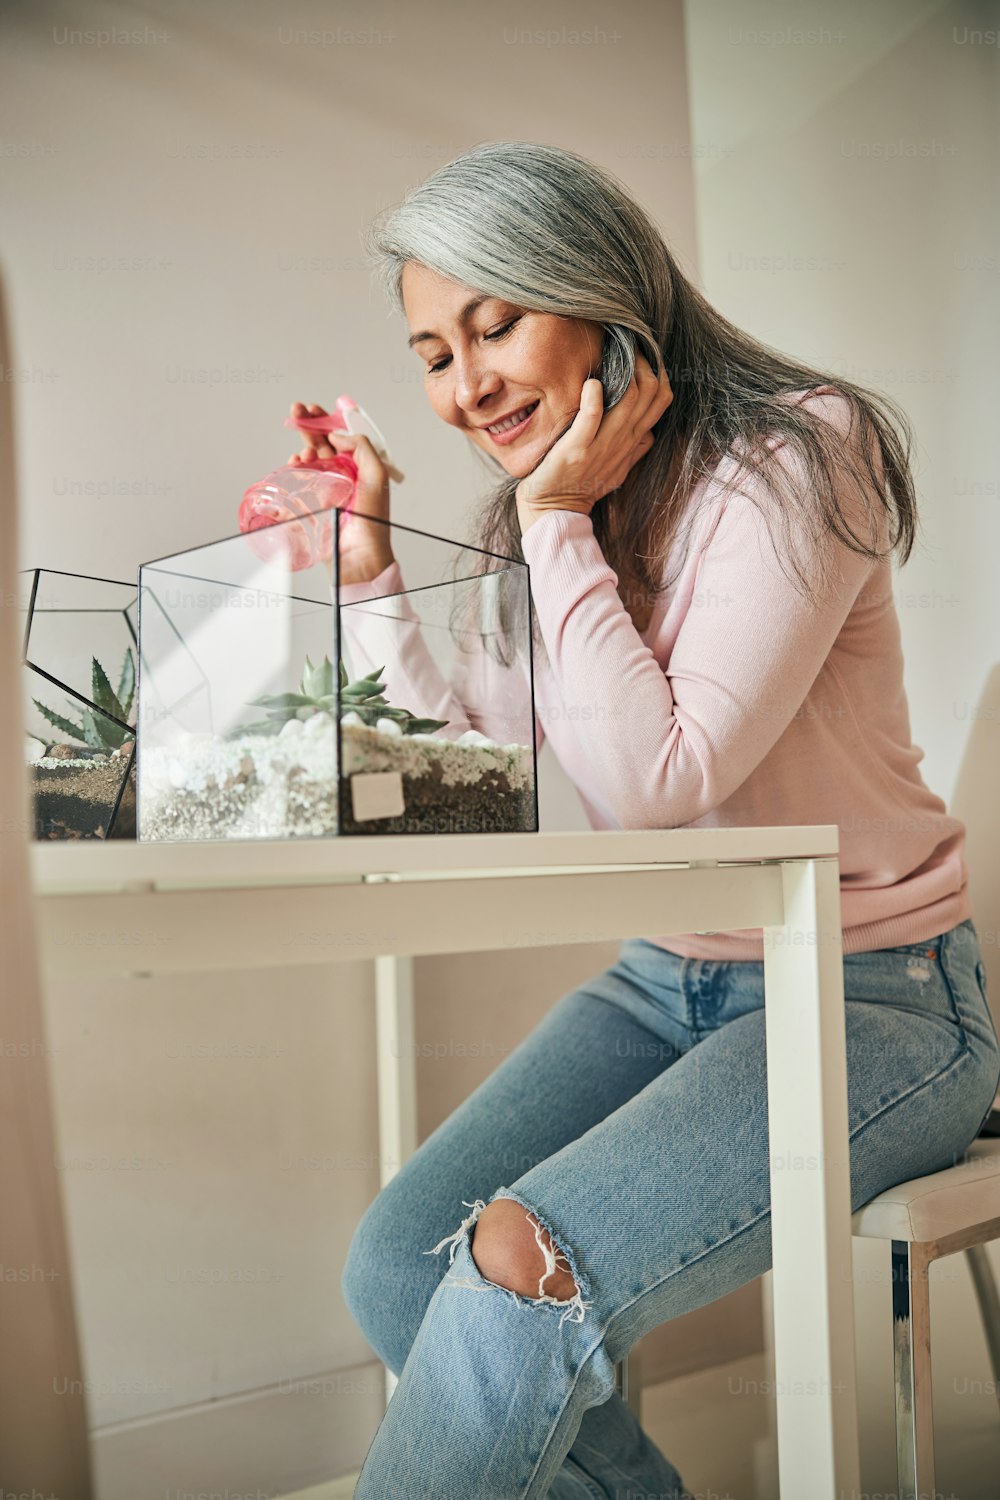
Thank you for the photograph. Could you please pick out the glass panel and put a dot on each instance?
(228, 633)
(295, 683)
(79, 704)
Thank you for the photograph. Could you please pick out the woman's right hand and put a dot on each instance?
(365, 546)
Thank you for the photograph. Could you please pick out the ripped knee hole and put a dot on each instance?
(507, 1253)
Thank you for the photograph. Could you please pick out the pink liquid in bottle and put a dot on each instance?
(302, 495)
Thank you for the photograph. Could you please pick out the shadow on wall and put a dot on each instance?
(977, 802)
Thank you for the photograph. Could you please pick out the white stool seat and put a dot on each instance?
(954, 1202)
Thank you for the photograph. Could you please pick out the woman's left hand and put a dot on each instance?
(594, 456)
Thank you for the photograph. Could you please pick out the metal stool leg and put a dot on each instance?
(989, 1305)
(911, 1331)
(629, 1383)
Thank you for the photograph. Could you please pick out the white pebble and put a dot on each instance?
(320, 723)
(177, 773)
(473, 737)
(389, 727)
(291, 730)
(352, 718)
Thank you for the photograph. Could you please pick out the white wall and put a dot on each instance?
(182, 208)
(809, 150)
(863, 139)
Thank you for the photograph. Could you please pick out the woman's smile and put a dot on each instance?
(507, 429)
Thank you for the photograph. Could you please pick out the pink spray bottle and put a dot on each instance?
(306, 493)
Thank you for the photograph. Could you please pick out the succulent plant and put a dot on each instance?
(95, 729)
(366, 698)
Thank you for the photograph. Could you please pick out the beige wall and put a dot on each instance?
(862, 139)
(181, 221)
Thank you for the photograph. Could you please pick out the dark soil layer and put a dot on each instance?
(434, 808)
(76, 802)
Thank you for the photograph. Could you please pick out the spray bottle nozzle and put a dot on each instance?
(351, 418)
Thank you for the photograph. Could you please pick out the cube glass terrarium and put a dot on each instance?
(283, 697)
(79, 679)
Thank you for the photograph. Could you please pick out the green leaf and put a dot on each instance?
(365, 687)
(282, 700)
(425, 726)
(75, 731)
(104, 694)
(126, 683)
(109, 735)
(92, 727)
(343, 673)
(318, 681)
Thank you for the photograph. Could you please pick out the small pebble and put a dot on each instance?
(473, 737)
(352, 718)
(320, 723)
(291, 730)
(389, 727)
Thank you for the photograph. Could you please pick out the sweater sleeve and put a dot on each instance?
(669, 744)
(390, 635)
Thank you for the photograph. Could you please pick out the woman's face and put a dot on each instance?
(494, 360)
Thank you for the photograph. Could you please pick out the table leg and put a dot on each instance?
(816, 1399)
(396, 1074)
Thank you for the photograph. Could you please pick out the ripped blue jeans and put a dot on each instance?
(632, 1124)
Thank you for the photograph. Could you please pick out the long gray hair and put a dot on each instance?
(546, 229)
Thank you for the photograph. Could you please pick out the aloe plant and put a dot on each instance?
(94, 729)
(315, 694)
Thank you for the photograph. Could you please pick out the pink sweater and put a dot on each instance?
(741, 705)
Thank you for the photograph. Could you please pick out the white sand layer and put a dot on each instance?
(285, 785)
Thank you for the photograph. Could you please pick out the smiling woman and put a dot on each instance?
(523, 270)
(710, 528)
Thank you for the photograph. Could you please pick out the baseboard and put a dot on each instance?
(299, 1434)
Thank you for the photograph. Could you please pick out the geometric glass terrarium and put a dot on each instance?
(79, 657)
(282, 697)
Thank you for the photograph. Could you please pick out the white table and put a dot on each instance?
(123, 908)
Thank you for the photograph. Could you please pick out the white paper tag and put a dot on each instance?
(377, 794)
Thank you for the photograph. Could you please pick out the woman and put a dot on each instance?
(710, 555)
